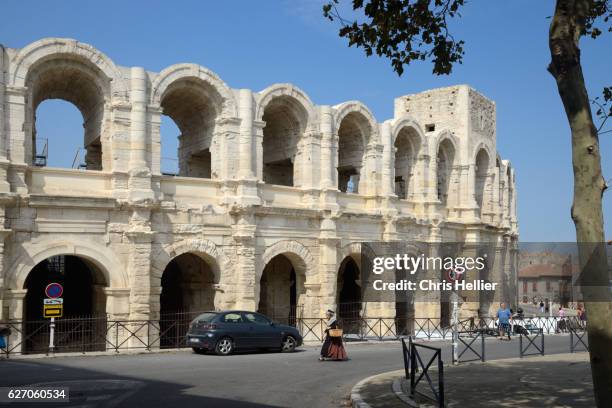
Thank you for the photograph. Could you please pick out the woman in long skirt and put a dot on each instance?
(332, 346)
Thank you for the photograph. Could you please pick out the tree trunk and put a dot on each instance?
(565, 31)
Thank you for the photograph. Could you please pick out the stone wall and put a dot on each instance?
(230, 206)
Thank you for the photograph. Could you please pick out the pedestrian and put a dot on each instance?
(504, 315)
(332, 345)
(541, 306)
(561, 324)
(4, 333)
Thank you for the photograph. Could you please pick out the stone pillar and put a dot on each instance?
(388, 165)
(243, 234)
(328, 274)
(18, 148)
(328, 154)
(471, 298)
(138, 133)
(139, 271)
(5, 187)
(14, 304)
(246, 150)
(139, 184)
(258, 127)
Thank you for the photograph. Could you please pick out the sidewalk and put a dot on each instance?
(558, 380)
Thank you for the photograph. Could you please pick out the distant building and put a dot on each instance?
(545, 276)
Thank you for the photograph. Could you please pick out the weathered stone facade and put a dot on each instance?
(262, 174)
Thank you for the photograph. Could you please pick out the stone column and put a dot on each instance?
(243, 234)
(246, 150)
(328, 274)
(13, 304)
(18, 149)
(139, 184)
(139, 271)
(328, 171)
(388, 153)
(5, 187)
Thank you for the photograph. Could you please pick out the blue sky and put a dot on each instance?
(252, 44)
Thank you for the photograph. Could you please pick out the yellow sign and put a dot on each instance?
(53, 310)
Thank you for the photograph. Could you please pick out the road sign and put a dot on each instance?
(53, 310)
(54, 290)
(58, 301)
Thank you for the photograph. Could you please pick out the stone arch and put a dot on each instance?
(207, 250)
(357, 108)
(103, 258)
(281, 278)
(289, 118)
(408, 122)
(407, 141)
(176, 72)
(291, 92)
(356, 133)
(48, 48)
(482, 166)
(297, 253)
(446, 158)
(44, 68)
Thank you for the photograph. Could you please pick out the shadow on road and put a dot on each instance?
(90, 388)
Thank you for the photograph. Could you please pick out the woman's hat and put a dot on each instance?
(330, 311)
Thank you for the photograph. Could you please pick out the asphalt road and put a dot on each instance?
(182, 379)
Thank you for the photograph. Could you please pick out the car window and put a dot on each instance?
(232, 318)
(256, 318)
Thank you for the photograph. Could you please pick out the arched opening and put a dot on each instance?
(81, 84)
(285, 124)
(406, 148)
(194, 106)
(353, 133)
(445, 158)
(280, 289)
(349, 295)
(188, 288)
(169, 140)
(481, 172)
(83, 323)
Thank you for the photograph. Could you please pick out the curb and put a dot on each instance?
(356, 400)
(399, 392)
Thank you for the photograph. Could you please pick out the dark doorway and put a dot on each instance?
(81, 328)
(349, 296)
(187, 290)
(278, 291)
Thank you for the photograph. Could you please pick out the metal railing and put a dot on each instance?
(467, 342)
(577, 340)
(100, 333)
(414, 363)
(531, 344)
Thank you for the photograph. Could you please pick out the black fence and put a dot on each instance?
(99, 333)
(578, 340)
(414, 364)
(531, 344)
(469, 342)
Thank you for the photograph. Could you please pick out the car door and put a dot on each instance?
(263, 332)
(235, 327)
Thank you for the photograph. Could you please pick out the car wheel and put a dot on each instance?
(224, 347)
(288, 345)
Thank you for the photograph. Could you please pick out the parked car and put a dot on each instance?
(228, 331)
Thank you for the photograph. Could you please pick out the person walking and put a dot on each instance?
(541, 306)
(504, 315)
(332, 348)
